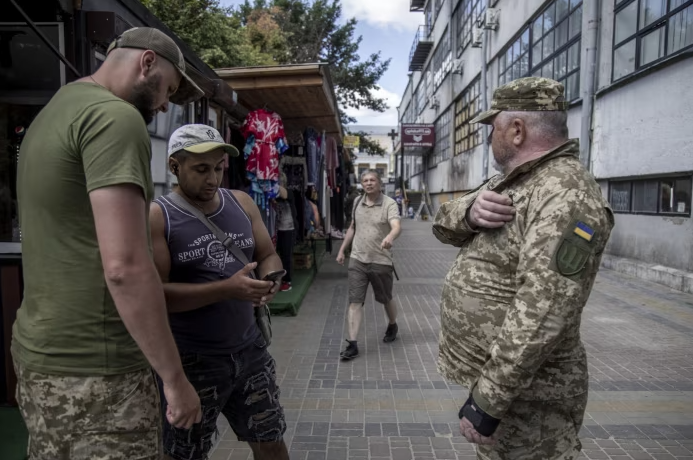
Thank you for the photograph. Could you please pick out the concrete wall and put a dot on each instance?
(644, 127)
(640, 127)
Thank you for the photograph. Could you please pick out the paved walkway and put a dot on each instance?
(390, 403)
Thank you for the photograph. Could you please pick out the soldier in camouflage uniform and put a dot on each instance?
(531, 241)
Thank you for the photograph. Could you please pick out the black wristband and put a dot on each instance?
(483, 423)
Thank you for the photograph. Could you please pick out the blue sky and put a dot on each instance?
(386, 26)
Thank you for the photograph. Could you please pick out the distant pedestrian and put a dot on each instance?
(531, 242)
(93, 318)
(286, 231)
(374, 227)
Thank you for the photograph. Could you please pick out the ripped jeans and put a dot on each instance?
(241, 386)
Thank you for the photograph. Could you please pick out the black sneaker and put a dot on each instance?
(350, 352)
(391, 333)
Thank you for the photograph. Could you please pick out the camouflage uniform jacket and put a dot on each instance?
(513, 299)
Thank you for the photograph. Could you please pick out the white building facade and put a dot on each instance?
(625, 65)
(385, 165)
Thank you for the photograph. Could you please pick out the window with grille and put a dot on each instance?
(441, 149)
(467, 14)
(647, 31)
(670, 195)
(468, 136)
(549, 47)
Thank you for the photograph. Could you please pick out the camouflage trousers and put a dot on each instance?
(115, 417)
(538, 430)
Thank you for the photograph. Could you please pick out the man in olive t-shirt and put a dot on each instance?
(93, 317)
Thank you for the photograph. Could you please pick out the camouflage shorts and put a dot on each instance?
(537, 430)
(96, 418)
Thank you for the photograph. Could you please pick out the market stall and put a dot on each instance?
(292, 129)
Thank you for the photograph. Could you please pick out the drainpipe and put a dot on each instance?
(484, 94)
(589, 40)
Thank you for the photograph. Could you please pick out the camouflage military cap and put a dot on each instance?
(530, 94)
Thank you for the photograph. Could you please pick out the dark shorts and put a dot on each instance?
(379, 276)
(242, 387)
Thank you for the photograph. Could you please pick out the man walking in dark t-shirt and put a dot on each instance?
(211, 298)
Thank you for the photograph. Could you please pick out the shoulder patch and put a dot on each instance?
(575, 248)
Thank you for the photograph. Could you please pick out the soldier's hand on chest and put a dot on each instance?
(490, 210)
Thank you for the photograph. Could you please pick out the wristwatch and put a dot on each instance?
(483, 423)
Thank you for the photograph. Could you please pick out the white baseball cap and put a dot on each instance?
(198, 139)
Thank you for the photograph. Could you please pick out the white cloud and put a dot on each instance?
(369, 117)
(383, 13)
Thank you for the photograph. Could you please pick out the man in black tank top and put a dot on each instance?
(210, 299)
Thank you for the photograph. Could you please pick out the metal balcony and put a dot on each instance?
(423, 44)
(417, 5)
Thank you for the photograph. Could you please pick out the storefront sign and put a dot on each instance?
(351, 142)
(414, 135)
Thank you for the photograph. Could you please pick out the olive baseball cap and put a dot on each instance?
(148, 38)
(530, 94)
(198, 139)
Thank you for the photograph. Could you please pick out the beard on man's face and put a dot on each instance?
(143, 95)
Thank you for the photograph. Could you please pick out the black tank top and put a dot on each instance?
(198, 257)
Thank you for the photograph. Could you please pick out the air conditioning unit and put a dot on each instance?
(457, 66)
(477, 37)
(435, 104)
(491, 18)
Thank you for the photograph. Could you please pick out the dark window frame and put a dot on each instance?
(442, 147)
(464, 20)
(528, 33)
(641, 33)
(462, 115)
(659, 180)
(441, 60)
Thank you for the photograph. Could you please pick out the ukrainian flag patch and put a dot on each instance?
(584, 231)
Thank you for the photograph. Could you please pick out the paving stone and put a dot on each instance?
(390, 402)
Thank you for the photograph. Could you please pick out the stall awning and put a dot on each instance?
(302, 94)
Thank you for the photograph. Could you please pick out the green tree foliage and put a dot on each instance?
(314, 34)
(271, 32)
(212, 31)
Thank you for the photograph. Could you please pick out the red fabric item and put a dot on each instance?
(267, 127)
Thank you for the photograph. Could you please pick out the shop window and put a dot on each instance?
(468, 136)
(442, 61)
(549, 47)
(647, 31)
(441, 149)
(468, 13)
(14, 122)
(29, 67)
(671, 196)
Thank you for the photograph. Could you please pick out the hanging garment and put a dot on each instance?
(331, 162)
(265, 142)
(312, 155)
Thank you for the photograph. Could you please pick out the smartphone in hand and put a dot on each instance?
(274, 276)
